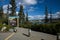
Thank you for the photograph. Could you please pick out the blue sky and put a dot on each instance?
(35, 8)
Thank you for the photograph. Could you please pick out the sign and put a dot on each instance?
(13, 20)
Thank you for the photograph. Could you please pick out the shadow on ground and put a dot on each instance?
(26, 34)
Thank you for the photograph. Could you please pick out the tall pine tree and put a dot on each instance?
(1, 12)
(13, 8)
(7, 11)
(2, 16)
(21, 15)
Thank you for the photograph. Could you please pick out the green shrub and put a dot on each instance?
(7, 27)
(0, 26)
(51, 28)
(57, 26)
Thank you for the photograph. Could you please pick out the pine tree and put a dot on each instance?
(7, 15)
(46, 14)
(7, 11)
(21, 15)
(2, 15)
(1, 12)
(21, 11)
(13, 8)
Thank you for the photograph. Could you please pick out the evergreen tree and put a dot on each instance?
(21, 15)
(7, 11)
(1, 12)
(21, 11)
(46, 14)
(2, 15)
(13, 8)
(7, 15)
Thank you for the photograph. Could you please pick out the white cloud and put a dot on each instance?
(55, 15)
(18, 4)
(9, 12)
(58, 13)
(30, 2)
(5, 8)
(31, 9)
(16, 13)
(26, 2)
(5, 11)
(36, 17)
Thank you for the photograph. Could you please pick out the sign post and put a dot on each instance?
(13, 21)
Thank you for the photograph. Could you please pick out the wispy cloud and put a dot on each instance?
(27, 2)
(55, 15)
(36, 17)
(18, 5)
(30, 2)
(31, 9)
(5, 8)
